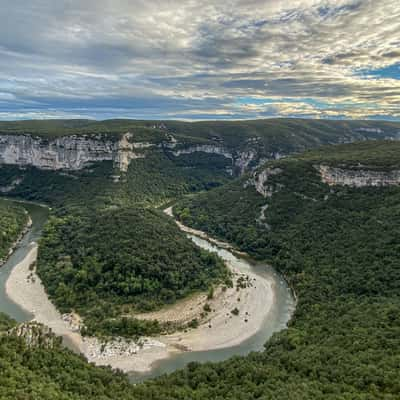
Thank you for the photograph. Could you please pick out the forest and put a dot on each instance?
(55, 373)
(338, 247)
(283, 134)
(109, 264)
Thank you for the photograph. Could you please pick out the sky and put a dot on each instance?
(186, 59)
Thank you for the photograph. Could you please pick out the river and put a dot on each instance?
(39, 215)
(276, 319)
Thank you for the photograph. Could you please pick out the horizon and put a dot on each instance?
(192, 61)
(377, 120)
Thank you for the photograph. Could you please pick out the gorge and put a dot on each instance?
(325, 219)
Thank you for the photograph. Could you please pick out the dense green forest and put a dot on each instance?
(13, 219)
(339, 249)
(33, 373)
(108, 264)
(282, 134)
(378, 155)
(233, 132)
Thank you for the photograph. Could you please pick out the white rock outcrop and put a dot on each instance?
(241, 160)
(125, 152)
(358, 177)
(67, 152)
(260, 181)
(205, 148)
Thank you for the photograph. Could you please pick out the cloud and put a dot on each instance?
(191, 59)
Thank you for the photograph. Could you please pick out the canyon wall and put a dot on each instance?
(358, 177)
(241, 160)
(68, 152)
(74, 152)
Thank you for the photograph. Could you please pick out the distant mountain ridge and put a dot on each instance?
(243, 145)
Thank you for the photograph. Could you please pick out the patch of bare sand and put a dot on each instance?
(220, 327)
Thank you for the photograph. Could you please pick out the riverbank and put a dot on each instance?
(17, 241)
(25, 288)
(233, 315)
(203, 235)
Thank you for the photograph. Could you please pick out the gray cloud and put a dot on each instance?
(165, 59)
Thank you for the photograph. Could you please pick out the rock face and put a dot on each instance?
(35, 335)
(74, 152)
(241, 160)
(125, 152)
(260, 181)
(358, 177)
(205, 148)
(68, 152)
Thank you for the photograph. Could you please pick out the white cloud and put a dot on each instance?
(88, 55)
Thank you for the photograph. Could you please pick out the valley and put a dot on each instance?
(149, 295)
(200, 200)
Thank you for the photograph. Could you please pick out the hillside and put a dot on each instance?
(150, 180)
(276, 192)
(39, 372)
(338, 247)
(275, 129)
(286, 135)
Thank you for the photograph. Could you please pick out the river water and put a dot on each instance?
(39, 215)
(275, 321)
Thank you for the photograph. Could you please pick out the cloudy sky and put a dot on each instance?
(203, 59)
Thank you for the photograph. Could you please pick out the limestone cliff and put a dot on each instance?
(358, 177)
(68, 152)
(242, 161)
(260, 181)
(205, 148)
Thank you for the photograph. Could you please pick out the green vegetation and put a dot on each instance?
(13, 219)
(109, 264)
(338, 247)
(53, 374)
(207, 308)
(235, 311)
(341, 255)
(281, 135)
(50, 129)
(6, 323)
(105, 250)
(268, 135)
(380, 155)
(222, 212)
